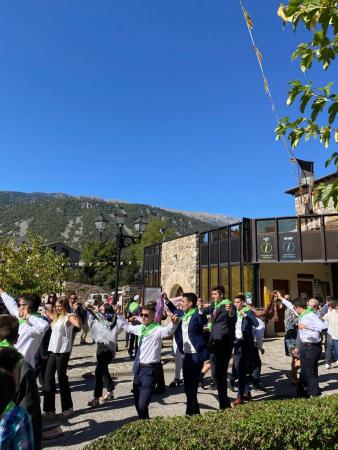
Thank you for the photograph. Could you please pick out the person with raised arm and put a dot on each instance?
(222, 337)
(32, 326)
(60, 346)
(190, 338)
(148, 358)
(244, 345)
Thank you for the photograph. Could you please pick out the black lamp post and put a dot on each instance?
(101, 224)
(122, 240)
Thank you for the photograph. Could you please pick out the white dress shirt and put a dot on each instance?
(151, 345)
(187, 344)
(30, 333)
(311, 334)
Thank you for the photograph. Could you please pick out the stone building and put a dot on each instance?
(301, 196)
(296, 255)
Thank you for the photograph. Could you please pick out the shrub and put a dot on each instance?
(274, 425)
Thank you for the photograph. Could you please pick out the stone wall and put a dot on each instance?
(317, 209)
(180, 265)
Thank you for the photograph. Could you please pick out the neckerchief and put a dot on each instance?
(148, 329)
(22, 321)
(225, 301)
(242, 312)
(6, 344)
(307, 311)
(188, 314)
(9, 407)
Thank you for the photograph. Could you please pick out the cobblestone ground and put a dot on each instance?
(88, 424)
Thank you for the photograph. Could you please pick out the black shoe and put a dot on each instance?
(231, 387)
(213, 386)
(202, 382)
(174, 383)
(158, 391)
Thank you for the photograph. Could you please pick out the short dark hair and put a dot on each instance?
(9, 328)
(9, 358)
(220, 289)
(33, 301)
(7, 389)
(151, 306)
(191, 297)
(241, 297)
(300, 303)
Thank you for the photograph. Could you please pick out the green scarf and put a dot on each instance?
(307, 311)
(6, 344)
(9, 407)
(133, 307)
(225, 301)
(22, 321)
(243, 310)
(188, 314)
(148, 329)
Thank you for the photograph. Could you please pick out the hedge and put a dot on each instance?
(271, 424)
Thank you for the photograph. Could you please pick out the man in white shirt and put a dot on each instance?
(148, 357)
(31, 326)
(310, 327)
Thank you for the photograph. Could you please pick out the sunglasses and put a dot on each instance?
(144, 315)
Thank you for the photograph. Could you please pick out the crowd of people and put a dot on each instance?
(36, 340)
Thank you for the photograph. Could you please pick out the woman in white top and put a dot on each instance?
(331, 318)
(60, 345)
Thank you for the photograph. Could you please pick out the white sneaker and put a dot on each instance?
(67, 413)
(327, 366)
(108, 396)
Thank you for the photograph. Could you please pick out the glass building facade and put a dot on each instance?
(232, 255)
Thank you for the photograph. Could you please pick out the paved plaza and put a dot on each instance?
(88, 424)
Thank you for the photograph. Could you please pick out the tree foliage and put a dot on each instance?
(318, 105)
(157, 231)
(30, 268)
(99, 258)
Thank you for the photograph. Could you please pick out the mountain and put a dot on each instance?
(70, 219)
(217, 220)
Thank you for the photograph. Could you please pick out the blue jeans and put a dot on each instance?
(335, 348)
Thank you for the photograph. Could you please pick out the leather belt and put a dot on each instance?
(150, 364)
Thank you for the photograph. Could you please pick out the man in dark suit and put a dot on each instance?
(191, 342)
(222, 336)
(244, 347)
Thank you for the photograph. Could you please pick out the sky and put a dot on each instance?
(152, 102)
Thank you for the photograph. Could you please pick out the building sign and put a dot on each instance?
(266, 247)
(289, 249)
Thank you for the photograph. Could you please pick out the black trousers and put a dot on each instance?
(308, 380)
(242, 360)
(133, 342)
(104, 357)
(192, 368)
(220, 354)
(143, 386)
(57, 362)
(256, 366)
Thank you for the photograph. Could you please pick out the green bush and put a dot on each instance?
(276, 425)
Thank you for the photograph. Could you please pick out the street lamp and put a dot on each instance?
(122, 240)
(101, 224)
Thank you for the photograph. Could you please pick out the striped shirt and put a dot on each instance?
(16, 430)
